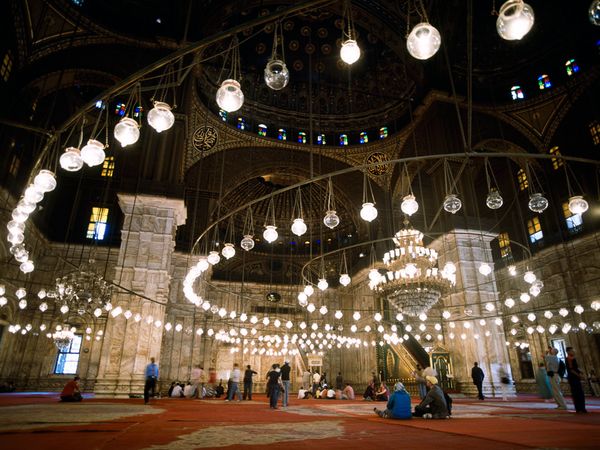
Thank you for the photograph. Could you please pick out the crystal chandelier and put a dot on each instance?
(83, 291)
(412, 283)
(62, 337)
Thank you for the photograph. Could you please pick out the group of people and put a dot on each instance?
(553, 370)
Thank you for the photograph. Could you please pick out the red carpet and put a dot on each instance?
(30, 421)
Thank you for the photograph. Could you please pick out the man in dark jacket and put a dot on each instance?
(433, 406)
(285, 378)
(248, 382)
(574, 377)
(398, 406)
(478, 376)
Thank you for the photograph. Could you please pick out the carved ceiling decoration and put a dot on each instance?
(205, 138)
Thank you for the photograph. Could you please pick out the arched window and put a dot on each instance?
(571, 67)
(363, 137)
(504, 244)
(556, 162)
(574, 221)
(343, 139)
(534, 229)
(241, 123)
(517, 93)
(522, 179)
(281, 134)
(262, 130)
(223, 115)
(321, 140)
(383, 132)
(544, 82)
(301, 137)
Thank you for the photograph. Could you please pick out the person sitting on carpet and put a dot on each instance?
(433, 406)
(189, 390)
(348, 392)
(382, 394)
(219, 390)
(398, 406)
(318, 393)
(369, 392)
(70, 392)
(173, 384)
(177, 391)
(330, 393)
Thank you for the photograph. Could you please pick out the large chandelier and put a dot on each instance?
(83, 291)
(412, 282)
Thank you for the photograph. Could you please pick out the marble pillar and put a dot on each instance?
(475, 336)
(143, 267)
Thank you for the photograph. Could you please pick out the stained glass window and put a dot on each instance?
(343, 139)
(241, 123)
(522, 179)
(517, 93)
(321, 140)
(120, 109)
(281, 134)
(556, 162)
(363, 137)
(7, 64)
(67, 360)
(595, 132)
(544, 82)
(223, 115)
(262, 130)
(534, 228)
(571, 67)
(138, 111)
(98, 223)
(383, 132)
(302, 137)
(504, 244)
(574, 221)
(108, 167)
(100, 104)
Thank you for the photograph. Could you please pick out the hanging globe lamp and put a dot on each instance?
(93, 153)
(452, 204)
(127, 131)
(299, 227)
(71, 160)
(494, 200)
(537, 203)
(331, 219)
(515, 19)
(409, 205)
(229, 96)
(577, 204)
(277, 74)
(350, 51)
(368, 212)
(247, 242)
(45, 181)
(160, 117)
(423, 41)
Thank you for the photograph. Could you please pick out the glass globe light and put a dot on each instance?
(345, 279)
(374, 275)
(27, 266)
(71, 160)
(247, 243)
(350, 51)
(411, 269)
(534, 290)
(230, 97)
(331, 220)
(485, 269)
(368, 212)
(595, 13)
(538, 203)
(26, 206)
(64, 309)
(160, 117)
(203, 264)
(228, 250)
(93, 153)
(423, 41)
(449, 268)
(23, 304)
(311, 307)
(127, 131)
(494, 200)
(577, 204)
(20, 252)
(338, 314)
(299, 227)
(409, 205)
(270, 234)
(529, 277)
(515, 19)
(33, 194)
(309, 290)
(322, 284)
(20, 293)
(452, 204)
(595, 305)
(525, 297)
(3, 301)
(213, 257)
(356, 315)
(277, 74)
(43, 306)
(19, 215)
(509, 302)
(45, 181)
(323, 310)
(16, 237)
(302, 299)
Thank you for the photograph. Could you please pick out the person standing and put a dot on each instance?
(551, 361)
(151, 378)
(316, 380)
(478, 376)
(248, 382)
(235, 384)
(196, 377)
(306, 379)
(574, 376)
(420, 379)
(339, 381)
(273, 385)
(543, 383)
(285, 379)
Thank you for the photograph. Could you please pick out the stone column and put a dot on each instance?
(144, 263)
(482, 343)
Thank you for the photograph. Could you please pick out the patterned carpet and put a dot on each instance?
(39, 421)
